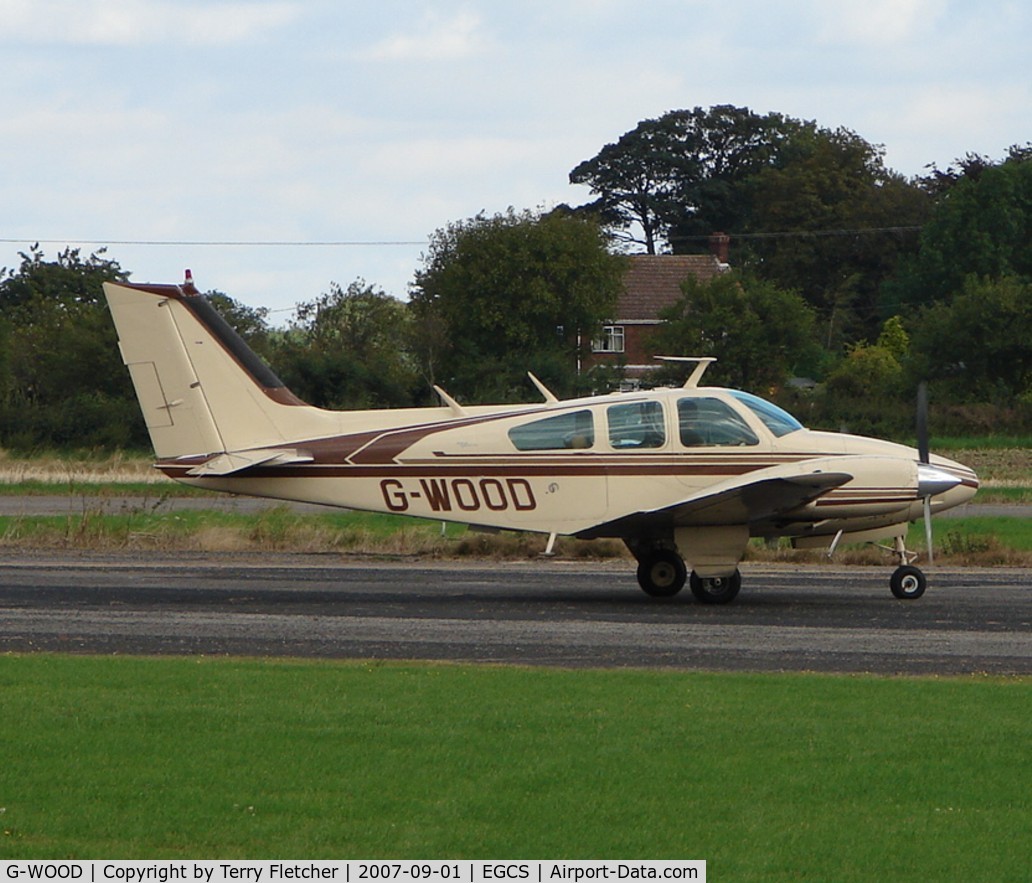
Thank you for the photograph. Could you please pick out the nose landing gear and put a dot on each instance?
(907, 581)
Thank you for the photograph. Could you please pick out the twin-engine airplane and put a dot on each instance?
(686, 474)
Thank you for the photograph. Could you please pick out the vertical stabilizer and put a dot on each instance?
(201, 389)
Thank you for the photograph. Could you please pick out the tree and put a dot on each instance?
(979, 345)
(510, 293)
(981, 226)
(831, 222)
(673, 178)
(347, 349)
(63, 383)
(759, 333)
(873, 370)
(808, 208)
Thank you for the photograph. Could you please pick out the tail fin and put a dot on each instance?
(202, 389)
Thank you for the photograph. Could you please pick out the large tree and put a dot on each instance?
(977, 347)
(808, 208)
(831, 222)
(981, 226)
(498, 296)
(349, 349)
(62, 382)
(673, 179)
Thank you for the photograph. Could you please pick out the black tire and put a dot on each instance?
(716, 590)
(661, 573)
(908, 582)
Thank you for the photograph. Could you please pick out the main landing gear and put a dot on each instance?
(662, 573)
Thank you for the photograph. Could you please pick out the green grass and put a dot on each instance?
(76, 488)
(1015, 496)
(765, 776)
(989, 442)
(275, 528)
(1013, 533)
(978, 540)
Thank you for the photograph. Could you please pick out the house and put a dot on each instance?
(652, 283)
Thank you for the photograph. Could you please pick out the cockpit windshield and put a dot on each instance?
(778, 421)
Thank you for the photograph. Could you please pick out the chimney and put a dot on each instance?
(720, 246)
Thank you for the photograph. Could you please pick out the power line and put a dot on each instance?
(387, 243)
(223, 243)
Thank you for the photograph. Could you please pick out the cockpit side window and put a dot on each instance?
(572, 430)
(707, 421)
(777, 420)
(636, 425)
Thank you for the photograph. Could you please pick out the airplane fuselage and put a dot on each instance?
(469, 469)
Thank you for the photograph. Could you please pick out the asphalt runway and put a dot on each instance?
(576, 614)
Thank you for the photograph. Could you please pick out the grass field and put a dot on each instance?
(974, 540)
(765, 776)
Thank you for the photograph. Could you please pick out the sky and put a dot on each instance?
(278, 146)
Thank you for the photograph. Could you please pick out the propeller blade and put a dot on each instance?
(922, 421)
(924, 457)
(928, 527)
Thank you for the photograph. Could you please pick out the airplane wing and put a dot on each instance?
(743, 502)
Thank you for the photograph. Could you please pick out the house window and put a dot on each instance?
(610, 341)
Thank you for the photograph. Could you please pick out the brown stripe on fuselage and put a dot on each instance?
(227, 337)
(573, 465)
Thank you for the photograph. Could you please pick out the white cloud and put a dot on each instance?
(876, 22)
(129, 22)
(435, 39)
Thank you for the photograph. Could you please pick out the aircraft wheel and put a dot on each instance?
(716, 589)
(662, 573)
(908, 582)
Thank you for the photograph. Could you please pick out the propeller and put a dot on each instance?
(922, 421)
(923, 457)
(930, 479)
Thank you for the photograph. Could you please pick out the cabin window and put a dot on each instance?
(636, 425)
(574, 429)
(707, 421)
(611, 340)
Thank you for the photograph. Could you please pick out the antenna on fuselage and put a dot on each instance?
(456, 408)
(544, 390)
(703, 362)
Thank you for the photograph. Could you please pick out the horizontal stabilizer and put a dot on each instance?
(237, 461)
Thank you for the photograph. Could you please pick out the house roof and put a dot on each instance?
(653, 282)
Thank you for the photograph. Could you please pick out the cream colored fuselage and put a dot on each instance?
(432, 463)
